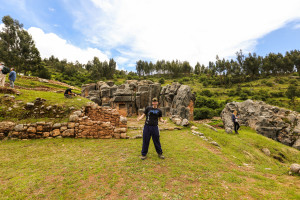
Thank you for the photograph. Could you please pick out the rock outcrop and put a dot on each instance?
(134, 96)
(277, 123)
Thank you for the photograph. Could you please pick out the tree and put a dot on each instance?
(292, 92)
(17, 47)
(197, 68)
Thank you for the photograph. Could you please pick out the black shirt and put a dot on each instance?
(68, 90)
(152, 115)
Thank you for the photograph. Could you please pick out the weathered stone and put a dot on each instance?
(185, 122)
(56, 132)
(120, 130)
(39, 128)
(266, 151)
(31, 129)
(19, 127)
(123, 135)
(297, 144)
(73, 118)
(46, 134)
(71, 125)
(295, 168)
(56, 125)
(273, 122)
(63, 128)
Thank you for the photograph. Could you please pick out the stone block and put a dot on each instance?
(31, 129)
(55, 132)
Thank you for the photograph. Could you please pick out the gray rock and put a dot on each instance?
(266, 151)
(56, 126)
(297, 144)
(185, 122)
(276, 123)
(73, 118)
(29, 106)
(19, 128)
(215, 143)
(295, 168)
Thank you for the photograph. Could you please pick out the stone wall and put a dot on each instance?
(91, 122)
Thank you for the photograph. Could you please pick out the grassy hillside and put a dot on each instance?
(31, 88)
(112, 169)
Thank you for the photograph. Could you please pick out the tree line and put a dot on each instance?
(245, 67)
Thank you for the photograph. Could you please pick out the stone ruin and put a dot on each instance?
(92, 122)
(276, 123)
(175, 100)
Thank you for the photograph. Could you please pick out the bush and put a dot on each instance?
(243, 96)
(202, 101)
(44, 73)
(203, 113)
(231, 93)
(269, 84)
(161, 80)
(205, 83)
(207, 93)
(247, 91)
(277, 94)
(279, 80)
(293, 82)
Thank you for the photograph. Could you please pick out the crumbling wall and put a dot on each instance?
(92, 122)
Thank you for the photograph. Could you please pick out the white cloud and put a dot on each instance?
(51, 9)
(192, 30)
(51, 44)
(297, 26)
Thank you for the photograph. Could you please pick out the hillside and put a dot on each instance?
(112, 169)
(29, 89)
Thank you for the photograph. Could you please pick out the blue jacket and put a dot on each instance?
(233, 118)
(12, 76)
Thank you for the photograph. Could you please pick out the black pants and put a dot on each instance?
(147, 133)
(236, 126)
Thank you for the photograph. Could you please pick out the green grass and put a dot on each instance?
(111, 169)
(18, 114)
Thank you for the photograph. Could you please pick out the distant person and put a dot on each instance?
(12, 77)
(152, 114)
(2, 75)
(69, 93)
(235, 122)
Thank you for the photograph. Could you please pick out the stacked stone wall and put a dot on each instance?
(92, 122)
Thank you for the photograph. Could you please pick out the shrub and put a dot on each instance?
(243, 96)
(293, 82)
(269, 84)
(248, 92)
(203, 113)
(202, 101)
(161, 80)
(277, 94)
(205, 83)
(231, 93)
(263, 82)
(207, 93)
(279, 80)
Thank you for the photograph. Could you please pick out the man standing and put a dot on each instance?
(152, 114)
(2, 76)
(12, 77)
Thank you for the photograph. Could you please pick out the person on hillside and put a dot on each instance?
(153, 114)
(69, 93)
(12, 77)
(2, 76)
(235, 121)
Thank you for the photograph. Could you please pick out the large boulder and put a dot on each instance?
(277, 123)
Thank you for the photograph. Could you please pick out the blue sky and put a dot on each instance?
(130, 30)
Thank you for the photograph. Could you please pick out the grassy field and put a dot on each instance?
(112, 169)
